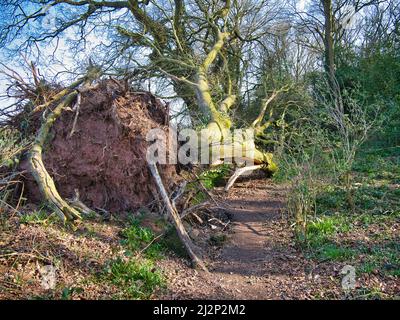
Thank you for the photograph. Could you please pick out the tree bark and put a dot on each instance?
(39, 172)
(196, 261)
(328, 42)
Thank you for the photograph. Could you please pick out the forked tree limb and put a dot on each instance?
(257, 122)
(183, 236)
(238, 173)
(260, 117)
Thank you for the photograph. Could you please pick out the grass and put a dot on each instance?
(332, 251)
(377, 204)
(136, 238)
(136, 276)
(321, 243)
(327, 226)
(381, 258)
(324, 210)
(38, 217)
(137, 279)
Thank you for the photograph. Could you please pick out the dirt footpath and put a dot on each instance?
(259, 260)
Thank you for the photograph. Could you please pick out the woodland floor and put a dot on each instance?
(261, 260)
(258, 259)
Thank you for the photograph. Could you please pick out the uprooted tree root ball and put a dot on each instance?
(99, 148)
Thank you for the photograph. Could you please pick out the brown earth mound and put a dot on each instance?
(105, 157)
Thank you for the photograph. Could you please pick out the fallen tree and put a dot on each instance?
(73, 209)
(201, 57)
(196, 45)
(223, 145)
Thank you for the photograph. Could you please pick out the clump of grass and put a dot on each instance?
(327, 226)
(136, 275)
(137, 279)
(320, 242)
(333, 251)
(137, 237)
(40, 217)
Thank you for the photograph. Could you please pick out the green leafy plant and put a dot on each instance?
(214, 177)
(136, 238)
(38, 217)
(68, 292)
(137, 279)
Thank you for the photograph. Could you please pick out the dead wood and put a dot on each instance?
(238, 173)
(183, 235)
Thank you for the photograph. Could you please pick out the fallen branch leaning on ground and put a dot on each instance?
(238, 173)
(196, 261)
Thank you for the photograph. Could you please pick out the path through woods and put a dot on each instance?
(260, 259)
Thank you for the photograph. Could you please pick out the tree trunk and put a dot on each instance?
(328, 42)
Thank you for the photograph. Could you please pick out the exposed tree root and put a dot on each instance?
(196, 261)
(80, 206)
(59, 96)
(46, 184)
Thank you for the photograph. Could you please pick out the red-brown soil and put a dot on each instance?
(105, 158)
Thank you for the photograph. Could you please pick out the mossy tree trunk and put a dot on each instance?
(38, 170)
(220, 125)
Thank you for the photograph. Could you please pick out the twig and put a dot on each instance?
(24, 254)
(150, 243)
(226, 225)
(193, 208)
(10, 206)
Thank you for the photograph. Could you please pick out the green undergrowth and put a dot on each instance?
(136, 278)
(331, 225)
(137, 238)
(215, 177)
(207, 180)
(135, 273)
(39, 217)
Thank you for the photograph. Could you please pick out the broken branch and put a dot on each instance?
(238, 173)
(184, 237)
